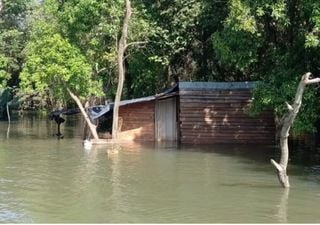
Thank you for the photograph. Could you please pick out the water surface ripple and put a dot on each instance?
(45, 180)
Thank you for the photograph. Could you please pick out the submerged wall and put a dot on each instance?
(216, 113)
(137, 121)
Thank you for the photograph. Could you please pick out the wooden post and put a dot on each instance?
(287, 121)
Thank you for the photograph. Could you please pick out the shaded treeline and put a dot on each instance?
(46, 45)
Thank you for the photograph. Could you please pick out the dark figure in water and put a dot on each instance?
(55, 115)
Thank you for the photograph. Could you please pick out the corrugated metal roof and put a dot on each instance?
(216, 85)
(97, 111)
(137, 100)
(168, 91)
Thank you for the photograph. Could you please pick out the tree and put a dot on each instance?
(271, 42)
(286, 123)
(12, 39)
(176, 38)
(53, 65)
(274, 42)
(122, 45)
(92, 26)
(139, 28)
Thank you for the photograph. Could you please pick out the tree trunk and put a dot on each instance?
(122, 45)
(8, 113)
(91, 126)
(287, 121)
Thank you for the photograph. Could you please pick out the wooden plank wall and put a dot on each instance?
(219, 116)
(137, 121)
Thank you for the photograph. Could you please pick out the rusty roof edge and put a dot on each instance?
(137, 100)
(183, 85)
(168, 91)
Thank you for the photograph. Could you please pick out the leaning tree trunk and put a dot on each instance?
(122, 45)
(92, 127)
(287, 121)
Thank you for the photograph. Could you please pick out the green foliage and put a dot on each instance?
(53, 64)
(5, 97)
(236, 49)
(240, 17)
(175, 25)
(313, 37)
(4, 75)
(274, 93)
(94, 26)
(141, 80)
(7, 100)
(12, 40)
(73, 44)
(90, 24)
(270, 41)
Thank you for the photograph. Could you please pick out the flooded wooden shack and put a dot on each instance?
(197, 113)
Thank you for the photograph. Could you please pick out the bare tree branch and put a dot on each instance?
(91, 126)
(289, 107)
(135, 43)
(307, 80)
(287, 122)
(97, 70)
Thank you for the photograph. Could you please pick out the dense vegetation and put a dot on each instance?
(51, 45)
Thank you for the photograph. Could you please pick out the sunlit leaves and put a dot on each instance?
(276, 42)
(54, 64)
(240, 17)
(313, 37)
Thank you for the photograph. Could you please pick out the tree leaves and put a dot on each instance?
(53, 63)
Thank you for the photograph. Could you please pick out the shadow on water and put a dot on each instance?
(305, 152)
(254, 152)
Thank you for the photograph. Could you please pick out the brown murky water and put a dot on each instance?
(45, 180)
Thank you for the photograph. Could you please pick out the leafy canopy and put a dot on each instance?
(12, 39)
(52, 63)
(274, 42)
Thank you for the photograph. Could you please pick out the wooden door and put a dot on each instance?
(166, 119)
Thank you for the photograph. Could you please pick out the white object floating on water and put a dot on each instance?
(87, 144)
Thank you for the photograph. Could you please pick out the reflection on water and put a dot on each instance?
(43, 179)
(283, 207)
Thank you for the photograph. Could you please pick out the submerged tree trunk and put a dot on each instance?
(287, 121)
(8, 114)
(122, 45)
(9, 119)
(92, 127)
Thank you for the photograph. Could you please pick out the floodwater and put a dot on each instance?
(46, 180)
